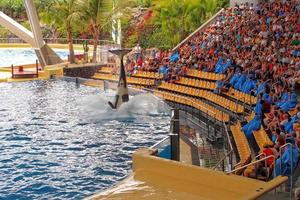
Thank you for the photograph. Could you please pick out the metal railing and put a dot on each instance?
(160, 143)
(60, 41)
(254, 163)
(229, 151)
(102, 53)
(291, 162)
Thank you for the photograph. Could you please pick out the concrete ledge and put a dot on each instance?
(157, 178)
(82, 71)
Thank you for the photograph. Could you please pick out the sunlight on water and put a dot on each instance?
(97, 108)
(63, 142)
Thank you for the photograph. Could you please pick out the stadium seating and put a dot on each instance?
(243, 97)
(197, 83)
(210, 96)
(192, 102)
(145, 74)
(262, 138)
(242, 144)
(106, 70)
(130, 80)
(204, 75)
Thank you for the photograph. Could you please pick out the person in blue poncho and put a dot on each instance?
(288, 160)
(249, 85)
(234, 79)
(223, 85)
(164, 70)
(174, 57)
(220, 63)
(284, 98)
(261, 87)
(253, 125)
(226, 66)
(290, 104)
(288, 126)
(258, 109)
(267, 97)
(238, 85)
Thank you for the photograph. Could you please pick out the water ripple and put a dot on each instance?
(63, 142)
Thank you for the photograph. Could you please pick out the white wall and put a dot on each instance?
(233, 2)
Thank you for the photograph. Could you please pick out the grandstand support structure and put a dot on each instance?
(44, 53)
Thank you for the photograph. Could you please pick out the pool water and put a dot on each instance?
(23, 56)
(59, 141)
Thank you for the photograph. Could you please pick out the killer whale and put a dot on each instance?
(122, 90)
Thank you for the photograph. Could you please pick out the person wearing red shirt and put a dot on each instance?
(268, 151)
(140, 62)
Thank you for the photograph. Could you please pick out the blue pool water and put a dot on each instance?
(22, 56)
(63, 142)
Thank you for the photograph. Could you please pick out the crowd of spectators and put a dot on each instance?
(258, 49)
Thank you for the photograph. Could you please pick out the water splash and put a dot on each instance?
(96, 108)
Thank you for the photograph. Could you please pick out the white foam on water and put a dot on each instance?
(96, 107)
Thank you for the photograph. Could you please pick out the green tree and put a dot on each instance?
(175, 20)
(64, 15)
(96, 14)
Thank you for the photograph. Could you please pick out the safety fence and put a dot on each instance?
(87, 52)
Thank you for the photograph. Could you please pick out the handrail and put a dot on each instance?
(244, 110)
(160, 142)
(280, 165)
(228, 153)
(255, 162)
(75, 41)
(237, 109)
(261, 154)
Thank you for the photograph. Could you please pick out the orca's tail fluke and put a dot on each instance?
(111, 105)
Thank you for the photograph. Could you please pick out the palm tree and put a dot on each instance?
(63, 15)
(178, 18)
(96, 14)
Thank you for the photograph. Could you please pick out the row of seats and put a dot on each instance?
(210, 96)
(141, 74)
(205, 75)
(196, 103)
(241, 96)
(106, 70)
(145, 74)
(241, 144)
(130, 80)
(262, 138)
(197, 83)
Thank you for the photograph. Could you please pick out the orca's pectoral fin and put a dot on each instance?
(111, 105)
